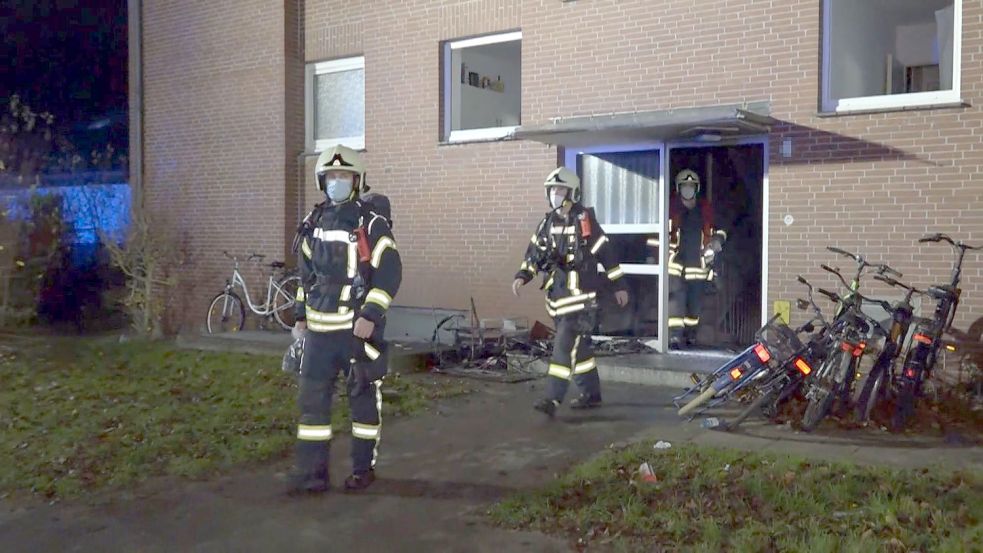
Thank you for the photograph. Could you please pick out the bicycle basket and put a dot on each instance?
(780, 340)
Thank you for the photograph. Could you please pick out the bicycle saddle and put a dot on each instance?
(278, 264)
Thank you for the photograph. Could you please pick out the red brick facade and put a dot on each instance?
(224, 132)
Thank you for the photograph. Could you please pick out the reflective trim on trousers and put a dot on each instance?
(366, 431)
(314, 432)
(585, 366)
(559, 371)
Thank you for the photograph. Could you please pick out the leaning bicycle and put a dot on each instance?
(227, 311)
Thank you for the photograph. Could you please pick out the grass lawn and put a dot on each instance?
(82, 414)
(722, 500)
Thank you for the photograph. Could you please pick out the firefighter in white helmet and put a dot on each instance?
(350, 271)
(694, 244)
(566, 249)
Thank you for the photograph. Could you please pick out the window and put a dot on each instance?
(335, 103)
(890, 54)
(482, 87)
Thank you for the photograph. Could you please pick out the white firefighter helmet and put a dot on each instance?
(339, 158)
(687, 176)
(565, 178)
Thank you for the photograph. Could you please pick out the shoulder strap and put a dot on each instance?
(309, 222)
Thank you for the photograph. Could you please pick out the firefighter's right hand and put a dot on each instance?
(516, 284)
(300, 327)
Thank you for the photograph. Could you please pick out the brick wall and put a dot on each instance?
(873, 183)
(216, 128)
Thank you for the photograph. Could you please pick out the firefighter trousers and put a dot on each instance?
(326, 356)
(573, 357)
(685, 305)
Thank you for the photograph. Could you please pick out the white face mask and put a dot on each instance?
(338, 190)
(687, 191)
(557, 197)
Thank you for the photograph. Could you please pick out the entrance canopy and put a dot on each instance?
(703, 124)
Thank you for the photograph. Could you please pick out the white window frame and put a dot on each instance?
(472, 135)
(322, 68)
(894, 101)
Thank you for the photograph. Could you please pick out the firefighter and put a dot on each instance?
(566, 248)
(350, 271)
(694, 244)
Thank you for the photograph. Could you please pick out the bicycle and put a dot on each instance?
(835, 376)
(846, 304)
(881, 377)
(776, 387)
(227, 313)
(920, 360)
(773, 346)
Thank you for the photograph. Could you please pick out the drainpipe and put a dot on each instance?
(134, 12)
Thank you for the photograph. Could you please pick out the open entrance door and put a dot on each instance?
(729, 308)
(625, 187)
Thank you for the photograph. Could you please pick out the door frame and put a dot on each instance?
(763, 141)
(569, 156)
(657, 271)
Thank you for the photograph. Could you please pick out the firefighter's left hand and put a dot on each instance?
(621, 296)
(709, 255)
(364, 328)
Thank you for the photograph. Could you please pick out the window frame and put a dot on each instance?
(473, 135)
(312, 70)
(892, 102)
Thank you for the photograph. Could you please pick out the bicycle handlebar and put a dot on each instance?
(836, 272)
(831, 295)
(884, 268)
(888, 280)
(892, 282)
(843, 252)
(250, 257)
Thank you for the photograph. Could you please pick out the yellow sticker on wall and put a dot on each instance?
(784, 309)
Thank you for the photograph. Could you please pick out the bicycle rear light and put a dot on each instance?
(910, 372)
(803, 367)
(762, 352)
(859, 350)
(923, 339)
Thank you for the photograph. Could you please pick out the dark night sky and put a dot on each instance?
(67, 57)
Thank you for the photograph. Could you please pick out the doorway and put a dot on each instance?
(732, 181)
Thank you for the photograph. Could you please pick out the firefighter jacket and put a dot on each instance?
(338, 282)
(567, 251)
(691, 232)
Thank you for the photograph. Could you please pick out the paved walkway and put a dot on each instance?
(437, 471)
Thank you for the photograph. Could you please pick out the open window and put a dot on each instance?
(335, 103)
(482, 87)
(890, 54)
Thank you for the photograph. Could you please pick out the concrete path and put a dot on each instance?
(438, 472)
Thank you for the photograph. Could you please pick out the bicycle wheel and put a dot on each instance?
(872, 391)
(904, 407)
(225, 314)
(823, 393)
(284, 300)
(755, 405)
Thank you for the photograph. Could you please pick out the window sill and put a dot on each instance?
(895, 109)
(356, 143)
